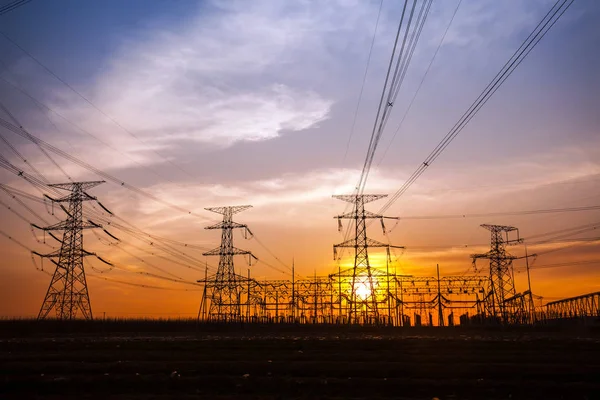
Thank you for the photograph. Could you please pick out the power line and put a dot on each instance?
(560, 265)
(13, 6)
(362, 86)
(392, 90)
(17, 123)
(90, 102)
(79, 128)
(151, 240)
(23, 133)
(141, 285)
(421, 83)
(399, 62)
(514, 61)
(274, 256)
(502, 214)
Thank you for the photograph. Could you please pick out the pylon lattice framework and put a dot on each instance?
(226, 287)
(68, 291)
(361, 274)
(501, 279)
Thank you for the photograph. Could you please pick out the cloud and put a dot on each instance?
(236, 72)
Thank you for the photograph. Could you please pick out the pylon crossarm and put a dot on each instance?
(226, 252)
(480, 255)
(59, 200)
(353, 215)
(353, 198)
(224, 210)
(59, 226)
(226, 225)
(91, 224)
(368, 243)
(498, 228)
(72, 185)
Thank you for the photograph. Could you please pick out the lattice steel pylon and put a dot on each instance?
(68, 291)
(501, 280)
(362, 296)
(226, 287)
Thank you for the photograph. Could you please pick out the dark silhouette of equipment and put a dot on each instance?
(226, 289)
(362, 301)
(68, 291)
(501, 279)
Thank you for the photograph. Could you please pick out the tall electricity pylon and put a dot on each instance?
(363, 286)
(501, 281)
(226, 287)
(68, 291)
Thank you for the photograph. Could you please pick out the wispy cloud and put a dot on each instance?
(232, 74)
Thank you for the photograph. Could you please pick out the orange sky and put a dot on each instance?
(204, 105)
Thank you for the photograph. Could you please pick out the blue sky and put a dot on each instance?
(254, 100)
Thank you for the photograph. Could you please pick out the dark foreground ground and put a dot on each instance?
(298, 362)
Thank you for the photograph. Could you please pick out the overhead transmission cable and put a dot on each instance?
(154, 241)
(502, 214)
(44, 152)
(420, 83)
(392, 87)
(88, 101)
(362, 86)
(557, 10)
(23, 133)
(42, 105)
(399, 62)
(12, 6)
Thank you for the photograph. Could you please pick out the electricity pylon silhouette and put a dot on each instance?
(501, 284)
(226, 288)
(361, 275)
(68, 291)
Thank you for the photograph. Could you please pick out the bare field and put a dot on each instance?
(302, 363)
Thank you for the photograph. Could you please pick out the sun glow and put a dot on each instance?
(363, 288)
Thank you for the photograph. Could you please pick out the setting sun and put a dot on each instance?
(362, 288)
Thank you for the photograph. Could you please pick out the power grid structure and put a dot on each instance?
(68, 293)
(402, 300)
(361, 302)
(582, 307)
(363, 294)
(226, 291)
(502, 302)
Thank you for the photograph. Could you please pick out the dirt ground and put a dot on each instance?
(287, 365)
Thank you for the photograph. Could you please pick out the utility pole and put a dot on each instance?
(361, 274)
(226, 287)
(501, 280)
(68, 291)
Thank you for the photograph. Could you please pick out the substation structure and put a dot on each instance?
(364, 294)
(586, 306)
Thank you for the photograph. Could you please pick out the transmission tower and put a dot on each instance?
(501, 280)
(226, 288)
(363, 286)
(68, 292)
